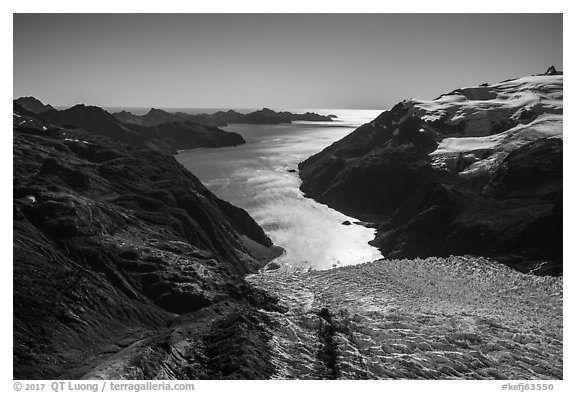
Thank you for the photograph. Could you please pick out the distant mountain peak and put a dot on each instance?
(33, 104)
(89, 109)
(267, 110)
(156, 111)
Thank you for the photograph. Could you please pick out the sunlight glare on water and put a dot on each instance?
(256, 177)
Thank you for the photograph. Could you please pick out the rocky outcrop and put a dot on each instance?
(552, 71)
(264, 116)
(476, 171)
(126, 266)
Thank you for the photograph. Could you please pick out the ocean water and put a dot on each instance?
(256, 177)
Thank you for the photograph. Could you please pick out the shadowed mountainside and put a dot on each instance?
(126, 266)
(476, 171)
(33, 105)
(167, 137)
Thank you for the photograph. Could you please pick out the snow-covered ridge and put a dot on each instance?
(483, 107)
(480, 125)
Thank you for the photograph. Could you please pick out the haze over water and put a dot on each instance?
(255, 176)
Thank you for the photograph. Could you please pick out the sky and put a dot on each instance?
(281, 61)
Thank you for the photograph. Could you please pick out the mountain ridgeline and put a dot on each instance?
(219, 119)
(33, 104)
(476, 171)
(161, 130)
(166, 137)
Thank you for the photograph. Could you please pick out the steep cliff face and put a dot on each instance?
(126, 266)
(475, 171)
(373, 169)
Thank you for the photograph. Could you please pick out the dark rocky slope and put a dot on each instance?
(167, 137)
(477, 171)
(125, 266)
